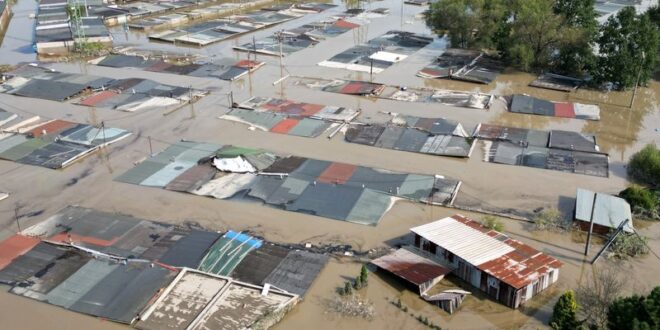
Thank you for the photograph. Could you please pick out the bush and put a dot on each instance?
(564, 313)
(635, 312)
(639, 196)
(628, 245)
(643, 202)
(549, 219)
(644, 166)
(492, 223)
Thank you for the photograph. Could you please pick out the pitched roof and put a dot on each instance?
(509, 260)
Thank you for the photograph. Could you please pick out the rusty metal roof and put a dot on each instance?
(409, 264)
(510, 261)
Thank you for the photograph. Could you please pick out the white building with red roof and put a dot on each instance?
(508, 270)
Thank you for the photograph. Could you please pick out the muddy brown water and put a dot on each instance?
(621, 132)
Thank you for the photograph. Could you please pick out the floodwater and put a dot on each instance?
(42, 192)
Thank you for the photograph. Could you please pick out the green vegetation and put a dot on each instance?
(556, 35)
(564, 313)
(421, 319)
(361, 281)
(628, 245)
(644, 167)
(644, 202)
(89, 48)
(549, 219)
(635, 312)
(628, 47)
(492, 222)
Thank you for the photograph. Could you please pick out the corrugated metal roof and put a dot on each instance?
(468, 243)
(609, 211)
(410, 265)
(494, 253)
(15, 246)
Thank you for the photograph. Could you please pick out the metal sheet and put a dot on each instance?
(297, 271)
(124, 292)
(189, 250)
(326, 200)
(369, 208)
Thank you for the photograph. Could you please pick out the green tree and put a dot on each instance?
(635, 312)
(468, 23)
(348, 288)
(564, 313)
(628, 47)
(575, 55)
(644, 166)
(535, 34)
(457, 17)
(364, 275)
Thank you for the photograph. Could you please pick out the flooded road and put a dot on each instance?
(41, 192)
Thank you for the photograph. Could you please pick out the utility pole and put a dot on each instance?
(371, 70)
(190, 100)
(16, 209)
(151, 150)
(639, 73)
(279, 38)
(591, 225)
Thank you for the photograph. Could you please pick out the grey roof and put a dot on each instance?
(25, 266)
(327, 200)
(49, 90)
(124, 292)
(54, 155)
(297, 271)
(189, 250)
(259, 263)
(572, 141)
(609, 211)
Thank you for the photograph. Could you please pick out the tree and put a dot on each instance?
(575, 55)
(628, 47)
(536, 32)
(457, 17)
(564, 313)
(468, 23)
(364, 275)
(635, 312)
(644, 166)
(348, 288)
(594, 297)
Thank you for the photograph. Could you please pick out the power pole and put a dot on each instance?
(639, 73)
(151, 150)
(16, 209)
(591, 224)
(371, 71)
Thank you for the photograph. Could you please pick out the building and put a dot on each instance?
(608, 212)
(508, 270)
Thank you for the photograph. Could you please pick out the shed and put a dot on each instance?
(608, 211)
(414, 266)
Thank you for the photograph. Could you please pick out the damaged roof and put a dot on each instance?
(492, 252)
(409, 264)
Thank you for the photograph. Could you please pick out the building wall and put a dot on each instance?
(493, 287)
(598, 229)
